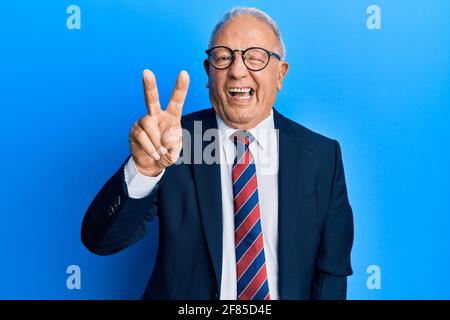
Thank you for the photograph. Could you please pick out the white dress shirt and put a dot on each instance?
(264, 150)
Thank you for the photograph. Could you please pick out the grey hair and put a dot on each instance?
(261, 15)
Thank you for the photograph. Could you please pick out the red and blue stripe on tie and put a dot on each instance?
(251, 269)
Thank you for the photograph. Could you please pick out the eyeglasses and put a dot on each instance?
(254, 58)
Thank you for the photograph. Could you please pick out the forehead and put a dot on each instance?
(246, 31)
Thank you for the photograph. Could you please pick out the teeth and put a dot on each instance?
(244, 97)
(241, 90)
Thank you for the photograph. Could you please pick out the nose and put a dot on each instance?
(238, 69)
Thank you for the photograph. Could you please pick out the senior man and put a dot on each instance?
(269, 219)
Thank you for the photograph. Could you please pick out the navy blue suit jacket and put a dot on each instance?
(315, 220)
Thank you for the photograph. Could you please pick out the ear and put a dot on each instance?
(206, 66)
(282, 71)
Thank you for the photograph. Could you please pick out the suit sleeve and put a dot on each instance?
(114, 221)
(333, 263)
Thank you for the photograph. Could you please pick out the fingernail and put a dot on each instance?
(162, 150)
(155, 155)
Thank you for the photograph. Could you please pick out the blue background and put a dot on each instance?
(69, 97)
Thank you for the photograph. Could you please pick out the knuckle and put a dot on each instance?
(148, 122)
(134, 131)
(143, 121)
(141, 136)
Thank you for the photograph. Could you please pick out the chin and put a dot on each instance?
(241, 116)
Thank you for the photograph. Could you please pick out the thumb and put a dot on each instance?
(172, 137)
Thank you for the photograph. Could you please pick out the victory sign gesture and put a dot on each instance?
(156, 138)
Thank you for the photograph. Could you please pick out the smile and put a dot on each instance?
(241, 93)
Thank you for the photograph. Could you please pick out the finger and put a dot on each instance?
(151, 93)
(179, 93)
(150, 126)
(140, 137)
(174, 153)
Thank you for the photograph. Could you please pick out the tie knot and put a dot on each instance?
(242, 140)
(243, 137)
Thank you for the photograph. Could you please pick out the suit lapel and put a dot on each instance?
(293, 223)
(209, 194)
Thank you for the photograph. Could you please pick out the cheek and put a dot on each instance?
(267, 87)
(217, 81)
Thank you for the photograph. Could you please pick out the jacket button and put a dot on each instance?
(110, 211)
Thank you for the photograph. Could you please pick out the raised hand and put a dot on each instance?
(156, 138)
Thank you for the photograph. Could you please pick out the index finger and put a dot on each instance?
(151, 93)
(179, 93)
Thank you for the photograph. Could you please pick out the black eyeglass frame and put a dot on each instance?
(233, 56)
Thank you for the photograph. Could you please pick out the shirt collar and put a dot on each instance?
(262, 132)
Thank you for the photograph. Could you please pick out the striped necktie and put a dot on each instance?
(251, 270)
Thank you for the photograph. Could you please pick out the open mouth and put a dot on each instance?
(241, 93)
